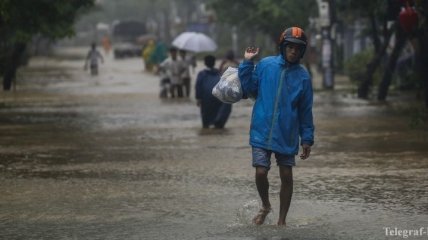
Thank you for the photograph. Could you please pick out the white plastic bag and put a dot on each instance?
(228, 89)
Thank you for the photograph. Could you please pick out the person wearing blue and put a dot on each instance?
(213, 111)
(282, 113)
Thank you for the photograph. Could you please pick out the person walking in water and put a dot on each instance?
(92, 57)
(146, 54)
(282, 113)
(173, 68)
(187, 61)
(213, 111)
(105, 41)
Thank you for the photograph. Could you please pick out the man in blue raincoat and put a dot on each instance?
(282, 113)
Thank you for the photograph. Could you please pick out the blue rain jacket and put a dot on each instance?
(283, 108)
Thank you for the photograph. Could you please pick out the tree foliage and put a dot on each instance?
(21, 20)
(267, 16)
(378, 13)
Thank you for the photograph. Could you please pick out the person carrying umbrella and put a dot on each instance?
(194, 42)
(282, 113)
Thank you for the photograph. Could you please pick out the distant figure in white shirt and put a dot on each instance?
(92, 58)
(173, 69)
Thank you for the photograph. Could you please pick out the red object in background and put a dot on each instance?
(408, 19)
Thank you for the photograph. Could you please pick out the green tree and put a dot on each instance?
(267, 16)
(20, 20)
(375, 13)
(378, 13)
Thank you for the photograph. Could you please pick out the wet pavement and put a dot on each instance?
(103, 157)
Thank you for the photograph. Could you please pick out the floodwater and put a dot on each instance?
(103, 157)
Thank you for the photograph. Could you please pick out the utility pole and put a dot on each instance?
(325, 15)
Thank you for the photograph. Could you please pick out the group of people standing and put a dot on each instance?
(174, 74)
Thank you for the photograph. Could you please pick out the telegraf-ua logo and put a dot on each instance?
(405, 233)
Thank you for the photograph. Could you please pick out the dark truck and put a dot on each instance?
(125, 34)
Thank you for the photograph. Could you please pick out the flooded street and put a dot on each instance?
(103, 157)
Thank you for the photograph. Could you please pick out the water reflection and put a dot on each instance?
(112, 161)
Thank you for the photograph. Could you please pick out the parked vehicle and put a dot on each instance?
(125, 34)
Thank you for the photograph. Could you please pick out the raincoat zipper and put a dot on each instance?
(278, 92)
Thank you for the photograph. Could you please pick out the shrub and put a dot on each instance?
(356, 66)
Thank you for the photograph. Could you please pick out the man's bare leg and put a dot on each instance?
(262, 184)
(286, 174)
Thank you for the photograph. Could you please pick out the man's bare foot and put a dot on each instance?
(281, 223)
(259, 219)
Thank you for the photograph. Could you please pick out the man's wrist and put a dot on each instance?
(306, 143)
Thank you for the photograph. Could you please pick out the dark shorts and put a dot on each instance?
(261, 158)
(94, 69)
